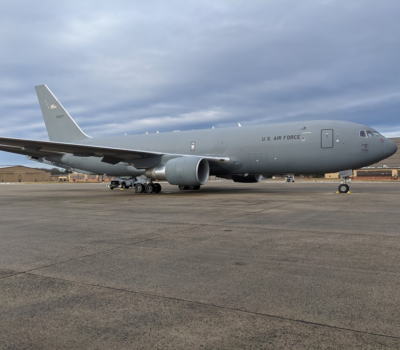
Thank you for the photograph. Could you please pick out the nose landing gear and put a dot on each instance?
(290, 178)
(344, 188)
(345, 176)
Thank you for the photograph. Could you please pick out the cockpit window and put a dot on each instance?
(376, 133)
(362, 133)
(369, 133)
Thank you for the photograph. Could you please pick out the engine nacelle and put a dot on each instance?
(247, 179)
(187, 171)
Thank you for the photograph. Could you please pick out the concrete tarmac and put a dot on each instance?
(271, 265)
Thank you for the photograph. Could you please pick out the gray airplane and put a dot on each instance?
(188, 158)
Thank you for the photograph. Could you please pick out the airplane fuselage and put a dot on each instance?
(287, 148)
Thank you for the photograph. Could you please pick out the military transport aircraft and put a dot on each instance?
(188, 158)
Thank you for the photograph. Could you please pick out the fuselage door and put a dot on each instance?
(326, 138)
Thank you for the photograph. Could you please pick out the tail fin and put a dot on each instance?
(59, 124)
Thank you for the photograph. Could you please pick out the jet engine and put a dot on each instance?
(247, 179)
(187, 171)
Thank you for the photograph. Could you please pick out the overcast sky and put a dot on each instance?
(135, 66)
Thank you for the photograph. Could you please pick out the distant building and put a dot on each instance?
(18, 173)
(376, 174)
(332, 176)
(78, 177)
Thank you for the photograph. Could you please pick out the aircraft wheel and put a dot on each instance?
(139, 188)
(157, 187)
(344, 188)
(181, 187)
(287, 180)
(149, 188)
(196, 188)
(191, 188)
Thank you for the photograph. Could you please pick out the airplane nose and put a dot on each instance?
(390, 148)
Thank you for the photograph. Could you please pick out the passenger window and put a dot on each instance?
(369, 133)
(362, 133)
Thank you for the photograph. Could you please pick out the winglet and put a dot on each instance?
(59, 124)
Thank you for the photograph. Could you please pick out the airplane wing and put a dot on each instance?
(46, 147)
(29, 147)
(32, 153)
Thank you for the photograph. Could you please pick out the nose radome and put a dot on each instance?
(390, 148)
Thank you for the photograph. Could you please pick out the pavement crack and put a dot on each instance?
(100, 252)
(253, 213)
(221, 307)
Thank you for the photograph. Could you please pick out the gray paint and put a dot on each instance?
(287, 148)
(248, 153)
(59, 124)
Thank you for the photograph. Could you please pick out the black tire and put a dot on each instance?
(196, 188)
(191, 188)
(343, 188)
(157, 187)
(149, 188)
(139, 188)
(182, 188)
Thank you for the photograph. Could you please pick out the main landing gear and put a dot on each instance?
(151, 187)
(190, 188)
(139, 184)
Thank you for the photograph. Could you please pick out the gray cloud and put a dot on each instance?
(133, 66)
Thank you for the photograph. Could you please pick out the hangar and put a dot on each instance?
(19, 173)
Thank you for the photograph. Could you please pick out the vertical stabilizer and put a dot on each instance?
(59, 124)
